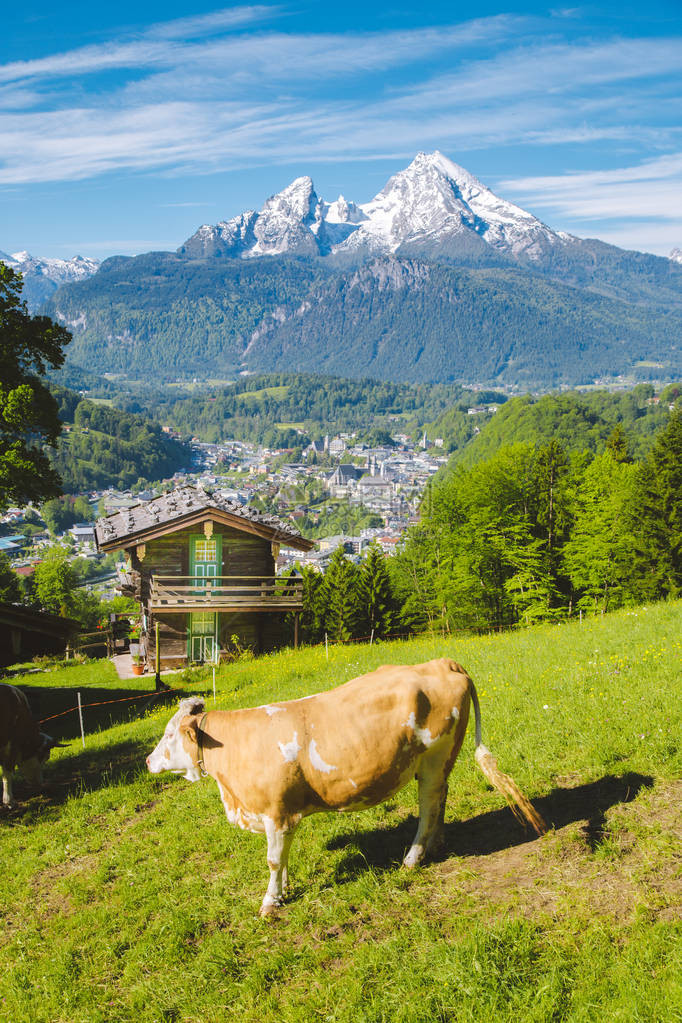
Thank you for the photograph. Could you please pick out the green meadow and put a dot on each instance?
(127, 897)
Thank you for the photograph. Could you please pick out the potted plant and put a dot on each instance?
(138, 666)
(134, 645)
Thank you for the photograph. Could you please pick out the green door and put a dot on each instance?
(205, 564)
(203, 639)
(205, 559)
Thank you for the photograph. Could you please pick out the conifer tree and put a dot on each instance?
(375, 594)
(617, 444)
(657, 515)
(314, 605)
(340, 594)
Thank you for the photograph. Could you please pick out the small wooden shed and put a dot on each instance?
(203, 568)
(26, 633)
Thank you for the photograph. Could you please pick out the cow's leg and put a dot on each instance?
(432, 776)
(279, 836)
(436, 839)
(6, 787)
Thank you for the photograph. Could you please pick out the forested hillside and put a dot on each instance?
(157, 315)
(102, 446)
(161, 316)
(270, 408)
(536, 532)
(404, 320)
(578, 421)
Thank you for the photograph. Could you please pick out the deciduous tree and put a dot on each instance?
(28, 413)
(10, 590)
(598, 557)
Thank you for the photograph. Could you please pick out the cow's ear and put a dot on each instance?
(189, 727)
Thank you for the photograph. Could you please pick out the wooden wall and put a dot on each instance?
(172, 641)
(257, 631)
(243, 554)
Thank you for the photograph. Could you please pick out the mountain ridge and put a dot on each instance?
(42, 277)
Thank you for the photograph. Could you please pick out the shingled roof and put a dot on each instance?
(185, 506)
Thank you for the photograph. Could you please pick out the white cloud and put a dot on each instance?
(650, 189)
(216, 21)
(645, 196)
(273, 55)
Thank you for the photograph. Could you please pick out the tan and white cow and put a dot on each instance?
(22, 745)
(345, 749)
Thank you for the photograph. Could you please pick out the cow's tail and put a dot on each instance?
(521, 806)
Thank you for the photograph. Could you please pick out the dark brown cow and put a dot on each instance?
(345, 749)
(22, 745)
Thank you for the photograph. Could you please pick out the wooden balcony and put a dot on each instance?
(225, 593)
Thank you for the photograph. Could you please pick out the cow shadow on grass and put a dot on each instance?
(91, 768)
(56, 707)
(381, 848)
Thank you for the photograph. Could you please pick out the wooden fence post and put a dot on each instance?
(80, 715)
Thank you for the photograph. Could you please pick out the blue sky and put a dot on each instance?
(123, 127)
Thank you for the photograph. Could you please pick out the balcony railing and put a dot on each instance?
(226, 593)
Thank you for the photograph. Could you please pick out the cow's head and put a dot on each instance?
(177, 750)
(32, 765)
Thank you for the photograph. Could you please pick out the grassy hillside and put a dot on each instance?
(131, 898)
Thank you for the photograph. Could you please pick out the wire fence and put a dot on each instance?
(105, 703)
(79, 707)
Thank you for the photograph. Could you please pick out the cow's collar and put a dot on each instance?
(200, 760)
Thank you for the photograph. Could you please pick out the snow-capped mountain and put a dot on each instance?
(676, 255)
(433, 208)
(43, 276)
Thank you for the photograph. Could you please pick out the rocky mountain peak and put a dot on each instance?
(434, 208)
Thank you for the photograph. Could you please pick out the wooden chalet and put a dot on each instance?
(203, 568)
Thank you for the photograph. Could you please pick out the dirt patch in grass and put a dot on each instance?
(631, 863)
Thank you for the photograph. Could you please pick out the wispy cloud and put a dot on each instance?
(648, 193)
(650, 189)
(216, 21)
(270, 56)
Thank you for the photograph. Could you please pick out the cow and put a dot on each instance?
(22, 744)
(345, 749)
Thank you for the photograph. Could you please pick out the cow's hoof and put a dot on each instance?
(269, 908)
(413, 858)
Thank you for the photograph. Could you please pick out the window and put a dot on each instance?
(203, 623)
(205, 550)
